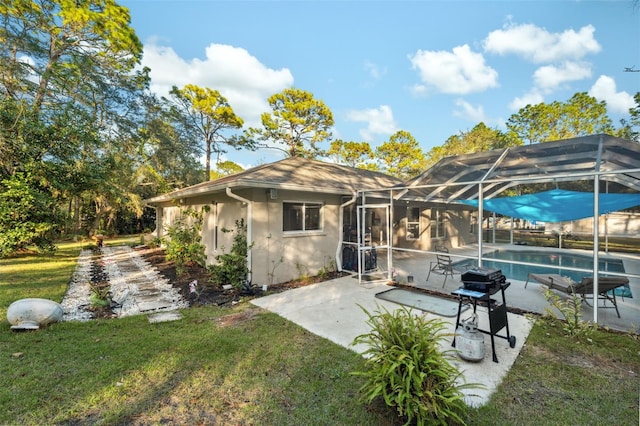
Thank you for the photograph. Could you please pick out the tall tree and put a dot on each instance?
(67, 76)
(480, 138)
(208, 114)
(169, 157)
(353, 154)
(634, 122)
(579, 116)
(297, 123)
(52, 48)
(401, 156)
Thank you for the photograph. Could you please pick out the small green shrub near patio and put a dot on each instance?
(407, 368)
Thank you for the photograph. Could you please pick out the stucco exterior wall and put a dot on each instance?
(280, 256)
(276, 256)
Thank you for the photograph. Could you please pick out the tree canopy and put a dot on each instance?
(580, 116)
(353, 154)
(401, 156)
(297, 124)
(207, 114)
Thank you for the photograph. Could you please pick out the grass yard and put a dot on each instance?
(242, 365)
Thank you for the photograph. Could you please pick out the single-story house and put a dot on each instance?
(293, 210)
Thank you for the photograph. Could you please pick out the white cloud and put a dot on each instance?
(539, 45)
(458, 72)
(550, 77)
(534, 97)
(379, 121)
(470, 112)
(374, 70)
(604, 89)
(236, 74)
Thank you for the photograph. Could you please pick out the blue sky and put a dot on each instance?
(432, 68)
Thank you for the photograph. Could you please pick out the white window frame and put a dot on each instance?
(412, 224)
(438, 219)
(304, 229)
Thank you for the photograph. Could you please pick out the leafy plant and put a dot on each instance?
(303, 271)
(571, 311)
(100, 295)
(27, 215)
(274, 266)
(155, 242)
(328, 268)
(407, 368)
(184, 245)
(231, 268)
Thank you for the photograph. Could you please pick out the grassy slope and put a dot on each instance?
(262, 369)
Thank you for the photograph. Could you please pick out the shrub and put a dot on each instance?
(184, 244)
(571, 311)
(407, 368)
(231, 268)
(27, 215)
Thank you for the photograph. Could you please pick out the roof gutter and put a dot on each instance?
(341, 230)
(249, 227)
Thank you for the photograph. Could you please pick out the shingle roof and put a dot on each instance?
(292, 173)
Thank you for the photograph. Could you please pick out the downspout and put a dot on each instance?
(249, 227)
(341, 230)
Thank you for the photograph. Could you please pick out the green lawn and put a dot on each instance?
(262, 369)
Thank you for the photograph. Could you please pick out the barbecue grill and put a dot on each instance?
(483, 280)
(479, 284)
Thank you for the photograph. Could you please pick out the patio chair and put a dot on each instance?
(584, 288)
(442, 265)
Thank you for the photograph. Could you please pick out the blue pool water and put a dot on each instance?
(553, 259)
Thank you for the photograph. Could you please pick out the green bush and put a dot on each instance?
(27, 215)
(571, 311)
(231, 268)
(184, 245)
(407, 368)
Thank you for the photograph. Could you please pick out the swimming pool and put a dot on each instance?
(554, 259)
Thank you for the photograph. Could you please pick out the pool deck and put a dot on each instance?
(531, 298)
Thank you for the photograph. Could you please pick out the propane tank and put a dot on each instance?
(469, 341)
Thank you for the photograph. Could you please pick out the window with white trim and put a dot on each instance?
(301, 216)
(437, 223)
(413, 223)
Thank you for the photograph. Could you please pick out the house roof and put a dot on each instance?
(292, 173)
(454, 178)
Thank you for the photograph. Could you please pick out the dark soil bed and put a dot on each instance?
(208, 293)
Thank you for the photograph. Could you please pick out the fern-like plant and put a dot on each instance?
(407, 368)
(571, 311)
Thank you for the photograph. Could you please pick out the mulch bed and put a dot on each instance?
(209, 293)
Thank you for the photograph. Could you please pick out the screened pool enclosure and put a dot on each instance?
(556, 181)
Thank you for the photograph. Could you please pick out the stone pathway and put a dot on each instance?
(136, 286)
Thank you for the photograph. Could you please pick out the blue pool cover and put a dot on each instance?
(557, 205)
